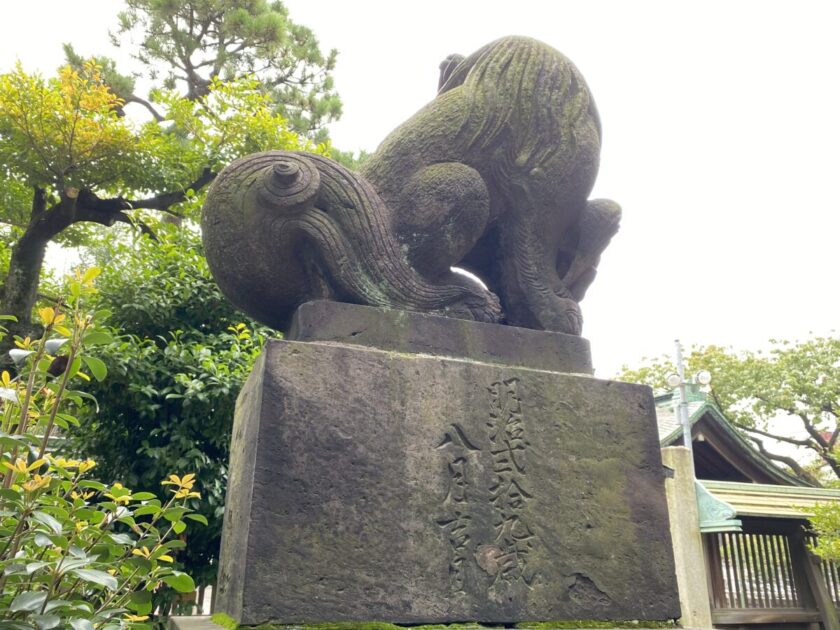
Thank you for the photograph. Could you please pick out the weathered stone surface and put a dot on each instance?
(193, 622)
(493, 175)
(404, 331)
(370, 485)
(207, 623)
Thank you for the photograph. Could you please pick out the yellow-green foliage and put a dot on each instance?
(233, 119)
(65, 129)
(68, 132)
(221, 619)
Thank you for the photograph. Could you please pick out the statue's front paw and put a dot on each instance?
(488, 310)
(567, 318)
(482, 307)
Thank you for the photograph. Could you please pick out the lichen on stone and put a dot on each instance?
(226, 622)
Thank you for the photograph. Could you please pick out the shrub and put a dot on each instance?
(76, 552)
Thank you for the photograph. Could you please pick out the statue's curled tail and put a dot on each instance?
(281, 228)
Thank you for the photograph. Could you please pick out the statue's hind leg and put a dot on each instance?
(532, 293)
(442, 210)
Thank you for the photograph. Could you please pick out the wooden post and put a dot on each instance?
(717, 590)
(811, 569)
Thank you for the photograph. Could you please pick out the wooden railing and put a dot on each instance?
(831, 575)
(765, 575)
(757, 571)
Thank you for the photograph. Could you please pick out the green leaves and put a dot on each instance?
(97, 367)
(140, 602)
(49, 521)
(167, 402)
(28, 601)
(96, 577)
(63, 131)
(233, 118)
(199, 518)
(181, 582)
(143, 496)
(826, 524)
(97, 337)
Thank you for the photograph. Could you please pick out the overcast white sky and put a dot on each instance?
(721, 123)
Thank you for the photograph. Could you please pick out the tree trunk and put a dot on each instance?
(21, 288)
(20, 291)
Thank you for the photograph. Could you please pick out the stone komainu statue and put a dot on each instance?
(492, 176)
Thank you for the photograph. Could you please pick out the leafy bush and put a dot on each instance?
(76, 552)
(169, 400)
(826, 525)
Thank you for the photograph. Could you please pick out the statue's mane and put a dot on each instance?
(520, 91)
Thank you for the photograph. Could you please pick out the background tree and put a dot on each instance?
(825, 523)
(168, 402)
(59, 139)
(349, 159)
(69, 158)
(796, 382)
(185, 44)
(227, 76)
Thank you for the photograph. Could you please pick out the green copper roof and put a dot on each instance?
(758, 499)
(700, 406)
(715, 515)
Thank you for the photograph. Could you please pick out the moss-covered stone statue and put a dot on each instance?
(492, 176)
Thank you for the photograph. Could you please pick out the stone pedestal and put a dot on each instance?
(389, 485)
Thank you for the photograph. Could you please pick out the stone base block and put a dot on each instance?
(421, 333)
(207, 623)
(374, 485)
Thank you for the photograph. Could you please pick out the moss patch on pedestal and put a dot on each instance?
(223, 620)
